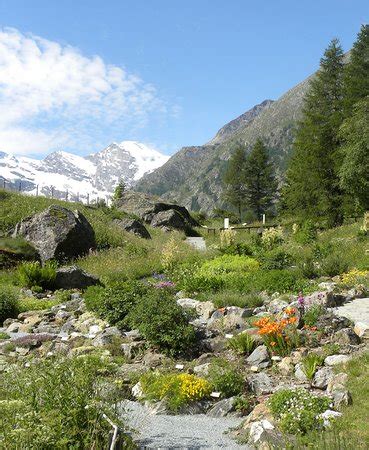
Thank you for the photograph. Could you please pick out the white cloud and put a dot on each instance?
(50, 94)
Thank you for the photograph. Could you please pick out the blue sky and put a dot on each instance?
(80, 74)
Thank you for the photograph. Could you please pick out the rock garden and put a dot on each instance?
(251, 336)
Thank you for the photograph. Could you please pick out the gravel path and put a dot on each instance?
(356, 310)
(178, 432)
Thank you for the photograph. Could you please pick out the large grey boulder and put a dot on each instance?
(150, 209)
(259, 357)
(57, 233)
(74, 277)
(133, 226)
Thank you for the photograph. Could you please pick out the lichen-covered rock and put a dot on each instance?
(261, 383)
(346, 336)
(322, 377)
(336, 359)
(222, 408)
(57, 233)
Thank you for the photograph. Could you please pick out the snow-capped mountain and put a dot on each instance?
(96, 174)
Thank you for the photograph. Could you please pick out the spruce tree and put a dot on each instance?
(119, 190)
(356, 78)
(312, 189)
(354, 172)
(234, 180)
(260, 182)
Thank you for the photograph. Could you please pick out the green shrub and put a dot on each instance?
(225, 378)
(272, 237)
(307, 233)
(275, 259)
(9, 303)
(243, 405)
(243, 344)
(312, 314)
(240, 249)
(233, 298)
(308, 268)
(163, 322)
(297, 410)
(310, 364)
(4, 335)
(334, 264)
(33, 274)
(281, 281)
(35, 304)
(13, 250)
(54, 403)
(228, 263)
(114, 302)
(176, 389)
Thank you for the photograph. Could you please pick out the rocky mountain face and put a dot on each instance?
(193, 176)
(96, 174)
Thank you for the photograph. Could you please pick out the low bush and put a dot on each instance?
(225, 378)
(9, 303)
(35, 304)
(176, 389)
(33, 274)
(243, 405)
(163, 322)
(308, 268)
(242, 343)
(114, 302)
(297, 411)
(54, 403)
(334, 264)
(275, 259)
(240, 248)
(233, 298)
(228, 263)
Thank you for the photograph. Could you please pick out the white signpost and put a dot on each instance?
(226, 223)
(263, 219)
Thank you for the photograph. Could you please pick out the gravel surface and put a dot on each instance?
(196, 242)
(178, 432)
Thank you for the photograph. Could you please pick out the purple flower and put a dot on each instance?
(159, 276)
(301, 300)
(164, 284)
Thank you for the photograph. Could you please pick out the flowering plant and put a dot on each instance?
(279, 333)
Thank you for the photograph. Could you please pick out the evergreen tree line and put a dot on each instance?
(328, 174)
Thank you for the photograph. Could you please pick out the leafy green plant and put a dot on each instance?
(242, 343)
(62, 295)
(32, 274)
(308, 268)
(55, 403)
(35, 304)
(310, 364)
(312, 314)
(243, 404)
(298, 410)
(233, 298)
(4, 335)
(9, 303)
(114, 302)
(334, 264)
(176, 389)
(228, 263)
(272, 237)
(225, 378)
(163, 322)
(275, 259)
(306, 233)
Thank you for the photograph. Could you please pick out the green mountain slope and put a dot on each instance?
(193, 176)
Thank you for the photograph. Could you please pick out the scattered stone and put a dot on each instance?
(202, 370)
(133, 226)
(300, 374)
(74, 277)
(222, 408)
(337, 381)
(137, 390)
(131, 349)
(341, 397)
(264, 432)
(276, 306)
(328, 416)
(346, 336)
(261, 383)
(336, 359)
(57, 233)
(106, 337)
(259, 357)
(152, 359)
(322, 377)
(285, 366)
(362, 330)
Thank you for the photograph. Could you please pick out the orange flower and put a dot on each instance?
(292, 320)
(273, 344)
(289, 310)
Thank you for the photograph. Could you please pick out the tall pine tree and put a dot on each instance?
(354, 172)
(234, 180)
(260, 182)
(312, 187)
(356, 78)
